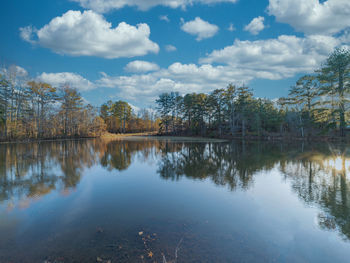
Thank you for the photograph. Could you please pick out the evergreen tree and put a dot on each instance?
(336, 72)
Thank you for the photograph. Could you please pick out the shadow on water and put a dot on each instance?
(317, 174)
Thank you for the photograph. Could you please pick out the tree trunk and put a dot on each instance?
(342, 120)
(5, 114)
(301, 126)
(232, 121)
(243, 127)
(341, 104)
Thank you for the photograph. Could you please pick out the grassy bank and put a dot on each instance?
(112, 136)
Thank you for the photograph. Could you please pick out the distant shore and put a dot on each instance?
(106, 135)
(185, 137)
(272, 137)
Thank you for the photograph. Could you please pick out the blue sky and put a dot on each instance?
(134, 50)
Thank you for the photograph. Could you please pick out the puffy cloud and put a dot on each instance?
(239, 63)
(200, 28)
(141, 66)
(66, 78)
(164, 18)
(89, 34)
(276, 58)
(312, 16)
(16, 74)
(14, 71)
(177, 77)
(136, 88)
(170, 48)
(255, 26)
(103, 6)
(27, 33)
(21, 72)
(231, 27)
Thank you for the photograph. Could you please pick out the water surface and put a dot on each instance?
(163, 200)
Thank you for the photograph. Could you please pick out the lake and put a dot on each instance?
(174, 200)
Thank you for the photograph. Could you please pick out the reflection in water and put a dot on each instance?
(35, 169)
(318, 174)
(320, 177)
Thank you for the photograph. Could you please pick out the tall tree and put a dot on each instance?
(4, 99)
(122, 110)
(337, 71)
(218, 101)
(230, 97)
(302, 96)
(164, 104)
(244, 99)
(71, 104)
(43, 95)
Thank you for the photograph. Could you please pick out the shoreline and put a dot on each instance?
(123, 135)
(269, 138)
(183, 137)
(104, 136)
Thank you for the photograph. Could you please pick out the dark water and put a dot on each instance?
(177, 201)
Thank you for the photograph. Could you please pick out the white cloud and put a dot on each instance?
(21, 72)
(240, 63)
(255, 26)
(276, 58)
(311, 16)
(141, 66)
(231, 28)
(164, 18)
(66, 78)
(103, 6)
(145, 88)
(15, 74)
(27, 33)
(89, 34)
(170, 48)
(200, 28)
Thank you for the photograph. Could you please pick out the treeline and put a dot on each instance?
(316, 106)
(31, 109)
(120, 118)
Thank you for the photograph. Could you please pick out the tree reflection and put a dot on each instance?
(118, 154)
(232, 164)
(318, 180)
(35, 169)
(30, 170)
(318, 174)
